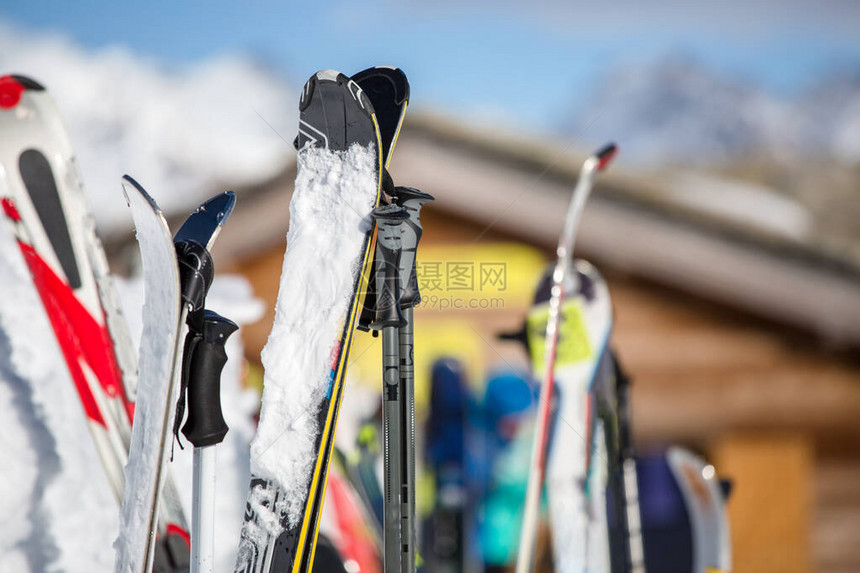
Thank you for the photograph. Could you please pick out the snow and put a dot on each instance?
(329, 216)
(191, 131)
(60, 514)
(49, 457)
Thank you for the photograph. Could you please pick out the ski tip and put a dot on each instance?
(392, 75)
(323, 77)
(333, 76)
(128, 182)
(605, 155)
(12, 88)
(327, 75)
(129, 185)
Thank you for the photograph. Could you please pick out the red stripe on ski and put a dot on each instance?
(355, 541)
(173, 529)
(10, 92)
(11, 209)
(82, 339)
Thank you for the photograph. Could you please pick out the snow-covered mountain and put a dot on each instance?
(678, 110)
(184, 134)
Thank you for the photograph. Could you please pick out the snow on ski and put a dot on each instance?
(324, 272)
(159, 342)
(163, 318)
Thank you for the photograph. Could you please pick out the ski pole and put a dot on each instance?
(389, 318)
(561, 274)
(412, 200)
(205, 429)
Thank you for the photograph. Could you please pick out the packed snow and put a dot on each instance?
(329, 217)
(61, 514)
(186, 132)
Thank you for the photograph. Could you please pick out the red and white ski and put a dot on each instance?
(43, 198)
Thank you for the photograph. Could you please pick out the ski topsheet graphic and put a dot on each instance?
(164, 313)
(324, 276)
(43, 198)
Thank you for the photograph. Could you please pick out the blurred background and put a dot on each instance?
(728, 229)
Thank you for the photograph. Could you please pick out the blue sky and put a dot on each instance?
(483, 58)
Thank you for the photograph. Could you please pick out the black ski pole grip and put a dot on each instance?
(196, 271)
(412, 200)
(205, 424)
(389, 220)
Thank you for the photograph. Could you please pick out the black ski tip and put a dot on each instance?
(336, 113)
(28, 83)
(388, 90)
(605, 155)
(393, 76)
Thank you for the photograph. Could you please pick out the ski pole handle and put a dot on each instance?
(389, 219)
(196, 271)
(205, 425)
(412, 200)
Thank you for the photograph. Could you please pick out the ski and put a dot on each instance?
(577, 459)
(445, 445)
(583, 431)
(356, 540)
(177, 273)
(43, 197)
(387, 89)
(338, 184)
(629, 515)
(577, 352)
(348, 466)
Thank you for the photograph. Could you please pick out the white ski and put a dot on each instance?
(567, 345)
